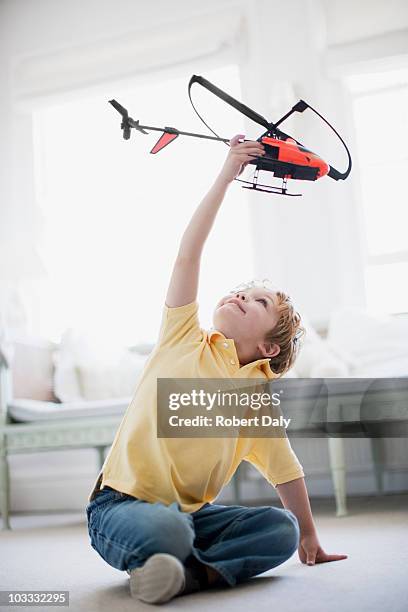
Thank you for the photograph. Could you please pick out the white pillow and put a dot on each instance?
(378, 344)
(66, 383)
(88, 367)
(291, 373)
(110, 380)
(30, 359)
(317, 359)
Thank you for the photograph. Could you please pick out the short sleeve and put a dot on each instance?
(275, 459)
(179, 324)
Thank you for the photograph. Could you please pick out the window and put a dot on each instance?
(114, 215)
(381, 119)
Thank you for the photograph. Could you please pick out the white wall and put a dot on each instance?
(310, 245)
(348, 20)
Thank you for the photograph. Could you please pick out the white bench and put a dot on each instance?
(31, 425)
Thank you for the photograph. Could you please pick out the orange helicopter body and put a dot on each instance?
(290, 152)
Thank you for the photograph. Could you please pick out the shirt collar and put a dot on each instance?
(214, 335)
(261, 364)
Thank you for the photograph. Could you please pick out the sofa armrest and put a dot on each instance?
(6, 387)
(4, 361)
(144, 348)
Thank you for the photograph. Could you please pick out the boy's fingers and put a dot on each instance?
(248, 151)
(251, 152)
(240, 149)
(245, 158)
(235, 139)
(250, 144)
(325, 558)
(246, 145)
(335, 557)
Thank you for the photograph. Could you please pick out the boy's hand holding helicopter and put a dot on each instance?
(239, 155)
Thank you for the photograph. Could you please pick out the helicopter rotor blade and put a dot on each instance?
(239, 106)
(121, 109)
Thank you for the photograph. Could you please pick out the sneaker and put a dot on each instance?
(160, 579)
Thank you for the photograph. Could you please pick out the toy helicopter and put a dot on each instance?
(285, 157)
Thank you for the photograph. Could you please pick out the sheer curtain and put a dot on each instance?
(114, 215)
(381, 119)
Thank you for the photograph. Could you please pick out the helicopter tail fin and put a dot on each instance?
(165, 139)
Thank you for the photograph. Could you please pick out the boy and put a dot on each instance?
(151, 511)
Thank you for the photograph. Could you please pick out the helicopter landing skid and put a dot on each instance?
(254, 185)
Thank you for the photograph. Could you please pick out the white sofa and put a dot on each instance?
(357, 345)
(52, 398)
(73, 395)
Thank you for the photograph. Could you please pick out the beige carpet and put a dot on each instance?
(52, 552)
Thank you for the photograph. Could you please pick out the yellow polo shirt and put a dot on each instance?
(190, 471)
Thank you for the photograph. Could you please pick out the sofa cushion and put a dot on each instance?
(28, 410)
(66, 383)
(317, 358)
(32, 367)
(116, 379)
(88, 367)
(377, 343)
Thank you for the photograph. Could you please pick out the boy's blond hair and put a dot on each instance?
(287, 332)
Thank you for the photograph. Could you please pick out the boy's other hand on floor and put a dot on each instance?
(311, 552)
(239, 156)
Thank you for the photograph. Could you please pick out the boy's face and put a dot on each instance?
(246, 316)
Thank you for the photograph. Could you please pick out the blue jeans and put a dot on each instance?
(238, 542)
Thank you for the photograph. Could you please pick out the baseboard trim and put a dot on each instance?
(68, 492)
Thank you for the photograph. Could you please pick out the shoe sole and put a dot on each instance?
(161, 578)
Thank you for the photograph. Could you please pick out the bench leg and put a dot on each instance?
(338, 470)
(377, 451)
(4, 488)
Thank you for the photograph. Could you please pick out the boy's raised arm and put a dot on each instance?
(183, 285)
